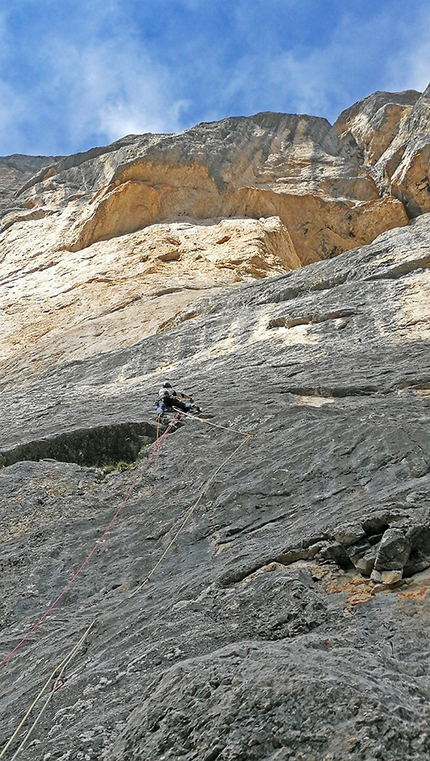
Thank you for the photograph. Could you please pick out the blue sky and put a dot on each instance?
(79, 73)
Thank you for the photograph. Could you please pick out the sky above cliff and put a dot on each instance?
(79, 73)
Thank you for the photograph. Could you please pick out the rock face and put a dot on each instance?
(390, 131)
(118, 291)
(93, 236)
(15, 172)
(290, 166)
(268, 602)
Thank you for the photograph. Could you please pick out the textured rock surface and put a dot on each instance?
(15, 172)
(268, 631)
(70, 305)
(282, 165)
(391, 132)
(247, 643)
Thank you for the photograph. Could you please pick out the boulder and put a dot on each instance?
(419, 558)
(365, 563)
(337, 552)
(349, 533)
(391, 578)
(393, 550)
(357, 551)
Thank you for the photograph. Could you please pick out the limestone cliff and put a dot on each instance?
(93, 236)
(287, 613)
(392, 134)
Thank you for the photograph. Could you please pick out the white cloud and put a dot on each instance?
(91, 87)
(116, 88)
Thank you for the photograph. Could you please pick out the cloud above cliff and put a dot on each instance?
(81, 73)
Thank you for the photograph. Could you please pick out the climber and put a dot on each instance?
(168, 398)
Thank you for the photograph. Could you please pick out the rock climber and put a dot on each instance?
(168, 398)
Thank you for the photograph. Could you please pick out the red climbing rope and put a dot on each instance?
(156, 448)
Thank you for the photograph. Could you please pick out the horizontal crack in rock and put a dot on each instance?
(292, 322)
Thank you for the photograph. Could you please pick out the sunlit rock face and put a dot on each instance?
(87, 239)
(61, 305)
(268, 165)
(282, 165)
(391, 132)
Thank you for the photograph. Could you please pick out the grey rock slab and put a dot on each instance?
(242, 709)
(15, 171)
(270, 605)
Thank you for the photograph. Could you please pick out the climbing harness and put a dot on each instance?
(95, 546)
(58, 669)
